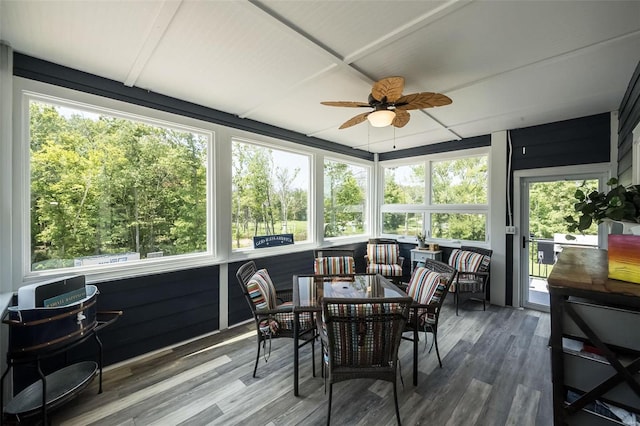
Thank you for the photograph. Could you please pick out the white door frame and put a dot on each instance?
(599, 170)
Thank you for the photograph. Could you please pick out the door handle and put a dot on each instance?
(524, 242)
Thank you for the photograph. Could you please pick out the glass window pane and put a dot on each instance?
(402, 223)
(459, 226)
(270, 193)
(404, 184)
(345, 189)
(459, 181)
(108, 190)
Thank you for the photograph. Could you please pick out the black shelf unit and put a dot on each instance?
(53, 390)
(589, 308)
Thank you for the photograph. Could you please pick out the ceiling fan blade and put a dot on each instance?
(390, 87)
(422, 100)
(355, 120)
(402, 118)
(349, 104)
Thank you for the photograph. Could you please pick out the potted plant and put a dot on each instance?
(421, 240)
(620, 204)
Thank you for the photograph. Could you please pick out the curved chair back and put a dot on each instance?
(383, 257)
(428, 288)
(334, 262)
(362, 337)
(244, 274)
(473, 265)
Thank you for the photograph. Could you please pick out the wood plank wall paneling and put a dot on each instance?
(579, 141)
(180, 303)
(158, 311)
(628, 119)
(48, 72)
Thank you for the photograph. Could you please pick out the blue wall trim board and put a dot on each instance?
(467, 143)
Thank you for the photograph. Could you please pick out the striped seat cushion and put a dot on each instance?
(426, 287)
(393, 270)
(334, 265)
(261, 290)
(284, 320)
(383, 253)
(263, 295)
(383, 259)
(468, 261)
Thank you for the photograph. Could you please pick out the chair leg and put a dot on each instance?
(329, 405)
(455, 298)
(313, 356)
(255, 368)
(435, 341)
(395, 399)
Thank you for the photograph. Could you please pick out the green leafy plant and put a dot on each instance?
(620, 203)
(421, 238)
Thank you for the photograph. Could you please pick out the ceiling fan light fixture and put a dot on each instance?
(381, 118)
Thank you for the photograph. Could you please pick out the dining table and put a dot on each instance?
(309, 290)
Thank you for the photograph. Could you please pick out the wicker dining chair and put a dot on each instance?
(473, 265)
(334, 261)
(383, 257)
(428, 288)
(360, 340)
(273, 310)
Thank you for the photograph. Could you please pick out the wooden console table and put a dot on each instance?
(601, 316)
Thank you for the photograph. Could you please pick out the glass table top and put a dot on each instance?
(308, 290)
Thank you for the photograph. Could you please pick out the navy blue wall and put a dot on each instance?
(628, 119)
(583, 140)
(564, 143)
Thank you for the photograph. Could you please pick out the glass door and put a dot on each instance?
(545, 202)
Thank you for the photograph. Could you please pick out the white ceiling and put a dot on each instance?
(505, 64)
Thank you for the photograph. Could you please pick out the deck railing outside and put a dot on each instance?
(543, 254)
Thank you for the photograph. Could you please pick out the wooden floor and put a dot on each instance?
(496, 371)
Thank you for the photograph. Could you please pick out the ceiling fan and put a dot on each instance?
(389, 105)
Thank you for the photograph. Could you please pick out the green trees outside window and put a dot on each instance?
(345, 188)
(106, 189)
(456, 208)
(270, 193)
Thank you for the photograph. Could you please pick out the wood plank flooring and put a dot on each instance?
(496, 371)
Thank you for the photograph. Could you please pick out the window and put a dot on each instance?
(456, 207)
(270, 193)
(107, 189)
(459, 181)
(404, 184)
(404, 223)
(345, 189)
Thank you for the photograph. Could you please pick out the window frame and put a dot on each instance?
(288, 148)
(26, 90)
(427, 208)
(368, 204)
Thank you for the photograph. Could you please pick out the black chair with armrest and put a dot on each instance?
(473, 265)
(428, 287)
(360, 340)
(383, 257)
(273, 310)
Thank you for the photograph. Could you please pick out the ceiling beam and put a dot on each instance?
(166, 13)
(347, 62)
